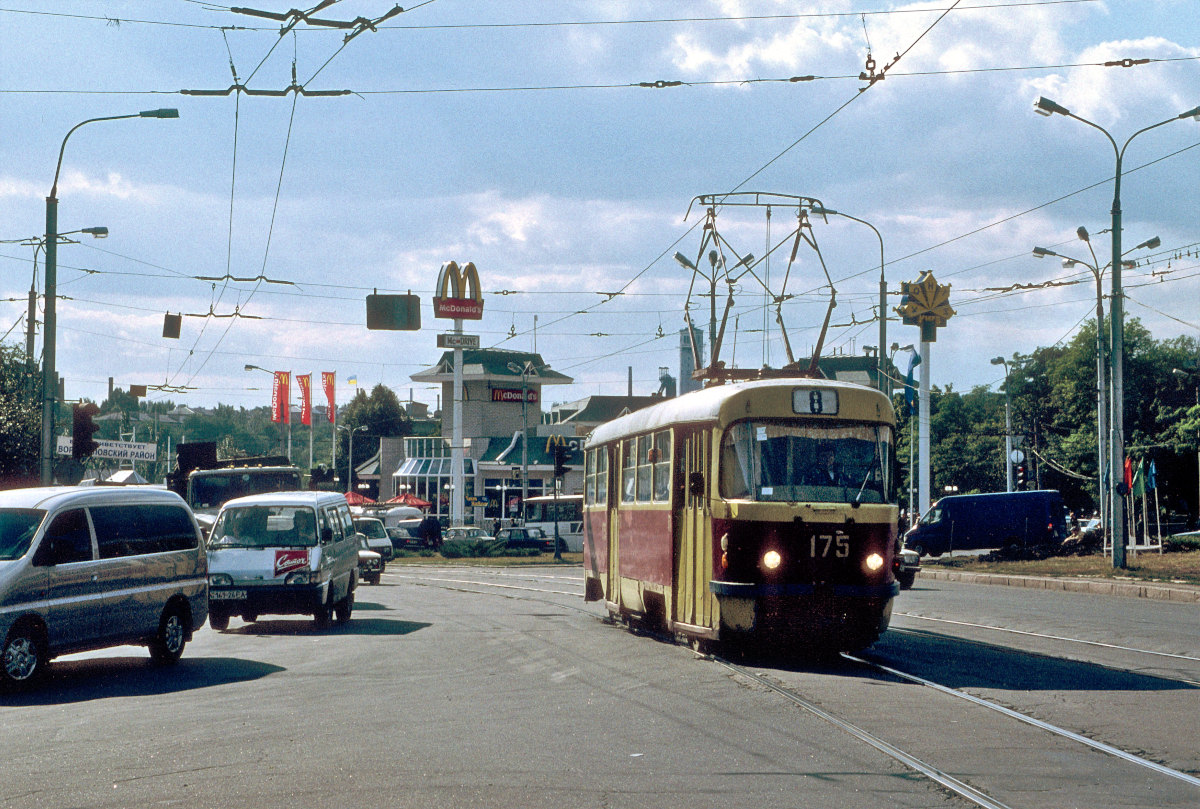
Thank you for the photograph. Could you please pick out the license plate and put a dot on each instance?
(226, 595)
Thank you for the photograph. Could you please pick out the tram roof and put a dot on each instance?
(725, 404)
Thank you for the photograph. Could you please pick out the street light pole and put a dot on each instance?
(49, 378)
(1008, 448)
(1102, 464)
(525, 370)
(350, 455)
(1116, 461)
(879, 367)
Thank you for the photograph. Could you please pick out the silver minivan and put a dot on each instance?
(87, 568)
(283, 553)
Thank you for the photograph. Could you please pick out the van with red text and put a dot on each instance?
(283, 553)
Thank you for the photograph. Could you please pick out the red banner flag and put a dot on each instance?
(305, 384)
(281, 398)
(327, 379)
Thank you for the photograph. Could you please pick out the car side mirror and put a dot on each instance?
(696, 484)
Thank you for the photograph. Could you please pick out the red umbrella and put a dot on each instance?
(356, 499)
(408, 499)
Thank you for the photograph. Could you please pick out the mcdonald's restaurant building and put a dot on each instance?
(498, 401)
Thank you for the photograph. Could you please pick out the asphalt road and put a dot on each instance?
(453, 687)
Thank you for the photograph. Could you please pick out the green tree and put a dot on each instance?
(382, 415)
(20, 421)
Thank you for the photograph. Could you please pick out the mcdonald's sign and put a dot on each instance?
(458, 296)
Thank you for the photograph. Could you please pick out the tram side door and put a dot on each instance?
(612, 586)
(693, 602)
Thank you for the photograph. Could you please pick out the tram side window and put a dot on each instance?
(662, 466)
(628, 470)
(644, 468)
(602, 476)
(589, 477)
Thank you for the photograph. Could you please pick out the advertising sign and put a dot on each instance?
(458, 296)
(514, 395)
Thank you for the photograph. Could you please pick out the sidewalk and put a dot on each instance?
(1130, 588)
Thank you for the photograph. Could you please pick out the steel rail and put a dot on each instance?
(1029, 720)
(948, 781)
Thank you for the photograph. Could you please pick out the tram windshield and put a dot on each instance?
(806, 462)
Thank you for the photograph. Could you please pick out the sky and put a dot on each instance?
(518, 136)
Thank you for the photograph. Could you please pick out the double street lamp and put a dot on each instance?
(1116, 474)
(49, 382)
(1101, 388)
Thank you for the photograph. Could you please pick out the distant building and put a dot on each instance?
(498, 407)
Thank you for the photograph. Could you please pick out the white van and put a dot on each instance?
(86, 567)
(283, 553)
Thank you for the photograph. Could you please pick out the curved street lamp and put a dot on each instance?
(49, 382)
(362, 428)
(1008, 449)
(1116, 477)
(819, 211)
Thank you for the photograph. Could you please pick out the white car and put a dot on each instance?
(377, 536)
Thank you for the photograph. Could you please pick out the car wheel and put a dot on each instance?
(372, 578)
(168, 643)
(344, 608)
(906, 580)
(218, 619)
(323, 616)
(23, 656)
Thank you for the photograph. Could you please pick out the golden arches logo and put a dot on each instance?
(553, 441)
(459, 295)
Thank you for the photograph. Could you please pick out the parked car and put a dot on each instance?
(377, 536)
(404, 537)
(284, 553)
(468, 533)
(908, 564)
(370, 564)
(93, 567)
(1000, 520)
(517, 538)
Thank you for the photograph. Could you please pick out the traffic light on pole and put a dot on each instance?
(560, 460)
(82, 430)
(1020, 476)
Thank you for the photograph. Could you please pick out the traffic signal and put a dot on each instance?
(82, 430)
(560, 460)
(1021, 476)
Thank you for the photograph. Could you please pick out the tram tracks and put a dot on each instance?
(509, 584)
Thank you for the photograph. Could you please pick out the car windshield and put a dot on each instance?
(370, 528)
(17, 527)
(265, 527)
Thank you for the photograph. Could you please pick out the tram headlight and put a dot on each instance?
(874, 562)
(772, 560)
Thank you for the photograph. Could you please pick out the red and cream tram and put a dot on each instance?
(749, 512)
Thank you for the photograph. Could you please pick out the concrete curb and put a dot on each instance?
(1159, 591)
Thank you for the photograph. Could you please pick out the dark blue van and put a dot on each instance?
(976, 521)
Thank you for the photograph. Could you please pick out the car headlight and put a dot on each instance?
(772, 560)
(874, 562)
(299, 577)
(219, 580)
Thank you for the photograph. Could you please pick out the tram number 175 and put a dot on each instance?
(820, 545)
